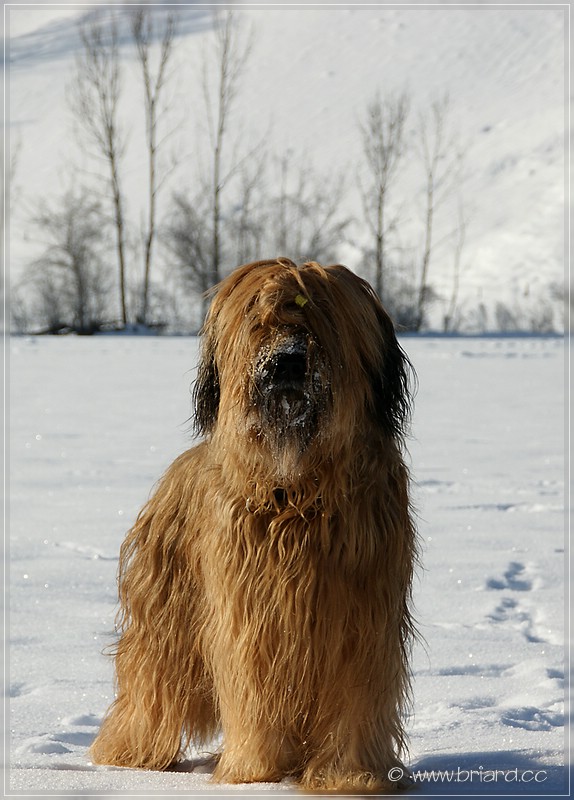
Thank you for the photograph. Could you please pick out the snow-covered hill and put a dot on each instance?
(310, 76)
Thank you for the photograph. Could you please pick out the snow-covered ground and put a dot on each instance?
(309, 78)
(94, 422)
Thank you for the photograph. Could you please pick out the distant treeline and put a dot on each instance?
(100, 271)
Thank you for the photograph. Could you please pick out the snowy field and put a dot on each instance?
(94, 422)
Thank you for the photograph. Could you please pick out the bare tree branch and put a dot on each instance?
(441, 162)
(460, 239)
(383, 140)
(142, 33)
(94, 100)
(70, 279)
(231, 51)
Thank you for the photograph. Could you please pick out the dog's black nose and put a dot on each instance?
(289, 367)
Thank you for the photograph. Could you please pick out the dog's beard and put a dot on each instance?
(288, 400)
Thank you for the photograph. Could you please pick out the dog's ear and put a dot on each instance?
(393, 382)
(206, 390)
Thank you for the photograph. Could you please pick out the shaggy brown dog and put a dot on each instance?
(265, 586)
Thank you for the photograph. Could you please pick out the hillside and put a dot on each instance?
(307, 83)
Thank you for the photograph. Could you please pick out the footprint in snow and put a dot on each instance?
(502, 611)
(532, 719)
(531, 624)
(44, 745)
(514, 578)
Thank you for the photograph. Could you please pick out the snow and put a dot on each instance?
(310, 76)
(95, 421)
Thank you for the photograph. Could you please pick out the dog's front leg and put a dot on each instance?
(138, 730)
(252, 750)
(164, 691)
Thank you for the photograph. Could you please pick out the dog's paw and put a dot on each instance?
(240, 770)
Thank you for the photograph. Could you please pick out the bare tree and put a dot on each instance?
(187, 235)
(562, 300)
(70, 279)
(451, 314)
(301, 219)
(94, 100)
(212, 222)
(188, 240)
(304, 220)
(383, 141)
(154, 83)
(246, 218)
(226, 62)
(441, 160)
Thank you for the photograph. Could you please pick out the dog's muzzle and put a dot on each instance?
(284, 368)
(286, 386)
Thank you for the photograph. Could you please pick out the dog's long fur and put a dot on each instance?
(265, 587)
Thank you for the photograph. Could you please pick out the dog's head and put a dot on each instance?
(296, 355)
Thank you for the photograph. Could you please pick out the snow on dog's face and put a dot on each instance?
(289, 389)
(294, 356)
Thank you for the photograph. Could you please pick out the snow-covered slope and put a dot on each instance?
(94, 422)
(311, 73)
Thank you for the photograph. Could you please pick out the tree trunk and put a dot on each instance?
(120, 238)
(426, 255)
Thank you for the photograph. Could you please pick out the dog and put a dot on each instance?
(265, 588)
